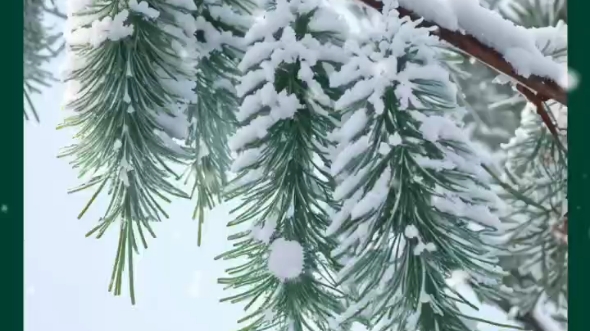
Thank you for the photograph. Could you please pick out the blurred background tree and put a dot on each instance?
(40, 45)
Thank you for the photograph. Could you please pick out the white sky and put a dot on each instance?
(66, 274)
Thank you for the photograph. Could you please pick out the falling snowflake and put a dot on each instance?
(4, 208)
(286, 259)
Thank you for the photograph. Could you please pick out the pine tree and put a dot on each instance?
(410, 183)
(131, 74)
(360, 191)
(284, 271)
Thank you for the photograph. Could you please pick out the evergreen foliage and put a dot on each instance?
(131, 74)
(534, 186)
(535, 178)
(220, 28)
(360, 191)
(494, 105)
(411, 185)
(286, 277)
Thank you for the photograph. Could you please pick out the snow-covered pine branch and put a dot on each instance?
(491, 99)
(129, 74)
(415, 199)
(492, 39)
(220, 27)
(283, 267)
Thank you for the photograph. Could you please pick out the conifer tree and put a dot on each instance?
(360, 191)
(410, 183)
(284, 271)
(130, 76)
(493, 104)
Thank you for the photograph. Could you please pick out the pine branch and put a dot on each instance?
(408, 192)
(212, 116)
(473, 47)
(130, 74)
(284, 272)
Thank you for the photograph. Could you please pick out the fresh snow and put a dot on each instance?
(478, 213)
(186, 4)
(107, 28)
(143, 8)
(411, 231)
(263, 233)
(285, 255)
(286, 259)
(517, 44)
(117, 145)
(375, 198)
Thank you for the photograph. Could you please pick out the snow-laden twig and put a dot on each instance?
(485, 48)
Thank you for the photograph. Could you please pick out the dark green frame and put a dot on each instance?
(579, 167)
(11, 168)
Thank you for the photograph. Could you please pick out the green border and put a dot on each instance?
(579, 168)
(11, 168)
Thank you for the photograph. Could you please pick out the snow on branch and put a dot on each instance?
(486, 36)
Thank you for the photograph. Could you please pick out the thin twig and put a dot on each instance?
(539, 102)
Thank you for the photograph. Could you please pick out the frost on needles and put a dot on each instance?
(283, 270)
(415, 201)
(130, 73)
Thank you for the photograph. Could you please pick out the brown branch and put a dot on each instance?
(538, 101)
(469, 45)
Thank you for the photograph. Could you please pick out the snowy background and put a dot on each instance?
(67, 275)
